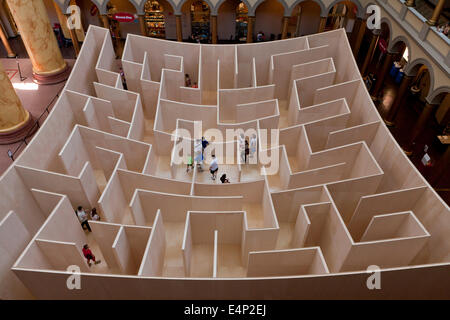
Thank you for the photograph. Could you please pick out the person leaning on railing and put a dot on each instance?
(445, 29)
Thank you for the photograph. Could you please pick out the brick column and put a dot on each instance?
(419, 126)
(179, 28)
(285, 27)
(251, 22)
(382, 74)
(392, 113)
(323, 22)
(370, 52)
(214, 29)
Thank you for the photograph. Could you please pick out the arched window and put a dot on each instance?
(154, 19)
(200, 12)
(241, 22)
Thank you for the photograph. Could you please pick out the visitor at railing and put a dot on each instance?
(445, 29)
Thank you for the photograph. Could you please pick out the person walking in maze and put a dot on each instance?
(83, 217)
(213, 167)
(89, 256)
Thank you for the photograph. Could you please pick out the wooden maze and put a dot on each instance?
(342, 196)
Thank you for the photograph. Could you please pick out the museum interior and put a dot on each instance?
(96, 97)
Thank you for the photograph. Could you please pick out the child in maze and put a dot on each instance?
(89, 256)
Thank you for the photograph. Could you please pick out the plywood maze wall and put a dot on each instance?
(344, 196)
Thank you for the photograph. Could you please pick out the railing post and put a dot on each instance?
(436, 13)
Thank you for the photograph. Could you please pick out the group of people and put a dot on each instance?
(445, 29)
(84, 218)
(188, 82)
(214, 168)
(260, 36)
(199, 149)
(197, 38)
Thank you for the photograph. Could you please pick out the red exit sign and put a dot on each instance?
(123, 17)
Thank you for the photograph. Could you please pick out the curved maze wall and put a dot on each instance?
(344, 196)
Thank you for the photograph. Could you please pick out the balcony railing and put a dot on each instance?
(431, 39)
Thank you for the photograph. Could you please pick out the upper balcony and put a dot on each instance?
(414, 21)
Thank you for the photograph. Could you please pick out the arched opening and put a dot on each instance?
(232, 20)
(440, 172)
(394, 77)
(268, 20)
(158, 16)
(342, 15)
(241, 22)
(89, 13)
(122, 28)
(412, 105)
(382, 46)
(119, 26)
(196, 25)
(305, 19)
(421, 83)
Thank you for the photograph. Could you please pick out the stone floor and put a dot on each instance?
(407, 117)
(35, 98)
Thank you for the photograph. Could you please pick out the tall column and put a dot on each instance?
(74, 38)
(62, 20)
(179, 28)
(67, 30)
(323, 22)
(355, 31)
(7, 11)
(142, 25)
(251, 22)
(285, 27)
(5, 41)
(213, 29)
(410, 3)
(37, 34)
(369, 56)
(419, 126)
(382, 74)
(392, 113)
(439, 169)
(118, 40)
(105, 21)
(443, 164)
(359, 38)
(14, 119)
(436, 13)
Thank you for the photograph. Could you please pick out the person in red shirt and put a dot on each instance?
(89, 256)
